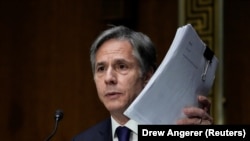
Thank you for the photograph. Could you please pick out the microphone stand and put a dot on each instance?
(58, 117)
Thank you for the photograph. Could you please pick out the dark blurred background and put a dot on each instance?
(44, 60)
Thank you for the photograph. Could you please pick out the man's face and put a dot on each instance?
(117, 75)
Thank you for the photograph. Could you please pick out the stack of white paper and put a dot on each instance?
(177, 81)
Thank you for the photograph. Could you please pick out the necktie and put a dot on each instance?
(123, 133)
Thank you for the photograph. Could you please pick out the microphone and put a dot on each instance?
(58, 116)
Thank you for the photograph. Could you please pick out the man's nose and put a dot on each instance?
(110, 76)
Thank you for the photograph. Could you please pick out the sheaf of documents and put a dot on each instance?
(177, 81)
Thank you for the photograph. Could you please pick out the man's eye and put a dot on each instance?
(122, 66)
(100, 69)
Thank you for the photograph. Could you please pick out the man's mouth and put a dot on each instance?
(113, 95)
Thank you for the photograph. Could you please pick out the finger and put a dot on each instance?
(194, 121)
(189, 121)
(206, 121)
(204, 102)
(194, 112)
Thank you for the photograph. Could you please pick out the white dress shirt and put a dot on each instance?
(131, 124)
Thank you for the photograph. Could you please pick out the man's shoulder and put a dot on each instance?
(99, 131)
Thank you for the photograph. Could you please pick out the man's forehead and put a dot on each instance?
(115, 49)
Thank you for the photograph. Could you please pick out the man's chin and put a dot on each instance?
(115, 108)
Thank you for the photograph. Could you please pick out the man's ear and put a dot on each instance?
(147, 76)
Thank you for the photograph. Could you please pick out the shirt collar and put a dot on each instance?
(131, 124)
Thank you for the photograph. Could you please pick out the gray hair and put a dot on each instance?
(144, 49)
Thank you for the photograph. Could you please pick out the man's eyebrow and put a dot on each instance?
(100, 63)
(118, 60)
(121, 60)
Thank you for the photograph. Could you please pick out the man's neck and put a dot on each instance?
(120, 118)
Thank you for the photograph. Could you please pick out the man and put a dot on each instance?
(122, 62)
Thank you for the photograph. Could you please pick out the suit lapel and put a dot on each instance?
(106, 131)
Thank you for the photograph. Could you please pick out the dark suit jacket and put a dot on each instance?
(100, 132)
